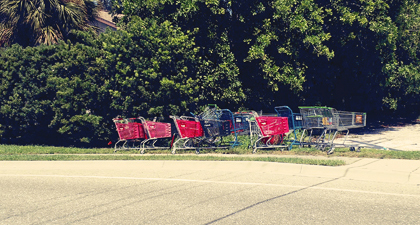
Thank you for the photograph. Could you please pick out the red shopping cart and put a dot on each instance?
(270, 131)
(155, 131)
(189, 131)
(130, 133)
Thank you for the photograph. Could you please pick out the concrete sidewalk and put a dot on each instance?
(363, 169)
(379, 170)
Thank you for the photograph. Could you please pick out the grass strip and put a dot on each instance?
(8, 152)
(31, 149)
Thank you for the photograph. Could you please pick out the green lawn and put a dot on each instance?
(48, 153)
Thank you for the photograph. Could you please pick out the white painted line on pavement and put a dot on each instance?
(215, 182)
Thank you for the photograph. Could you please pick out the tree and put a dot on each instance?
(375, 66)
(152, 69)
(32, 22)
(402, 66)
(260, 45)
(208, 23)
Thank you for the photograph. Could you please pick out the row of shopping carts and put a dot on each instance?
(216, 128)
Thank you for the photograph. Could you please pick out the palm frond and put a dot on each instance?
(36, 17)
(71, 15)
(48, 35)
(5, 34)
(30, 22)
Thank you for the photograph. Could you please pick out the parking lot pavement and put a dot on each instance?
(403, 138)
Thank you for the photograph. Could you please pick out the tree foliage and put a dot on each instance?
(148, 63)
(173, 57)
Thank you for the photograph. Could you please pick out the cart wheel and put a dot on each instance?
(331, 151)
(358, 149)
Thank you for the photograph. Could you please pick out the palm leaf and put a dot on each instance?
(31, 22)
(71, 15)
(48, 35)
(5, 34)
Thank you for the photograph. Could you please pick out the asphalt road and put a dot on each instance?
(190, 192)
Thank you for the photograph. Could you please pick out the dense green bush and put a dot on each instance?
(173, 57)
(25, 108)
(68, 93)
(48, 92)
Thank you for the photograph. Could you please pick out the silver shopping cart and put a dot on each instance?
(328, 121)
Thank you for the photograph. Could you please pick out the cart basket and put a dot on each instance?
(271, 125)
(158, 129)
(130, 130)
(189, 129)
(215, 128)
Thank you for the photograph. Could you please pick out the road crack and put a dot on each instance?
(289, 193)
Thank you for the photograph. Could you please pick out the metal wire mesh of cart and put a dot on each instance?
(210, 112)
(314, 117)
(348, 120)
(215, 122)
(215, 128)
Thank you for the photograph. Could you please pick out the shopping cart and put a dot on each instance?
(242, 123)
(218, 124)
(155, 131)
(190, 132)
(316, 123)
(344, 121)
(295, 125)
(140, 134)
(329, 122)
(269, 130)
(214, 127)
(130, 133)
